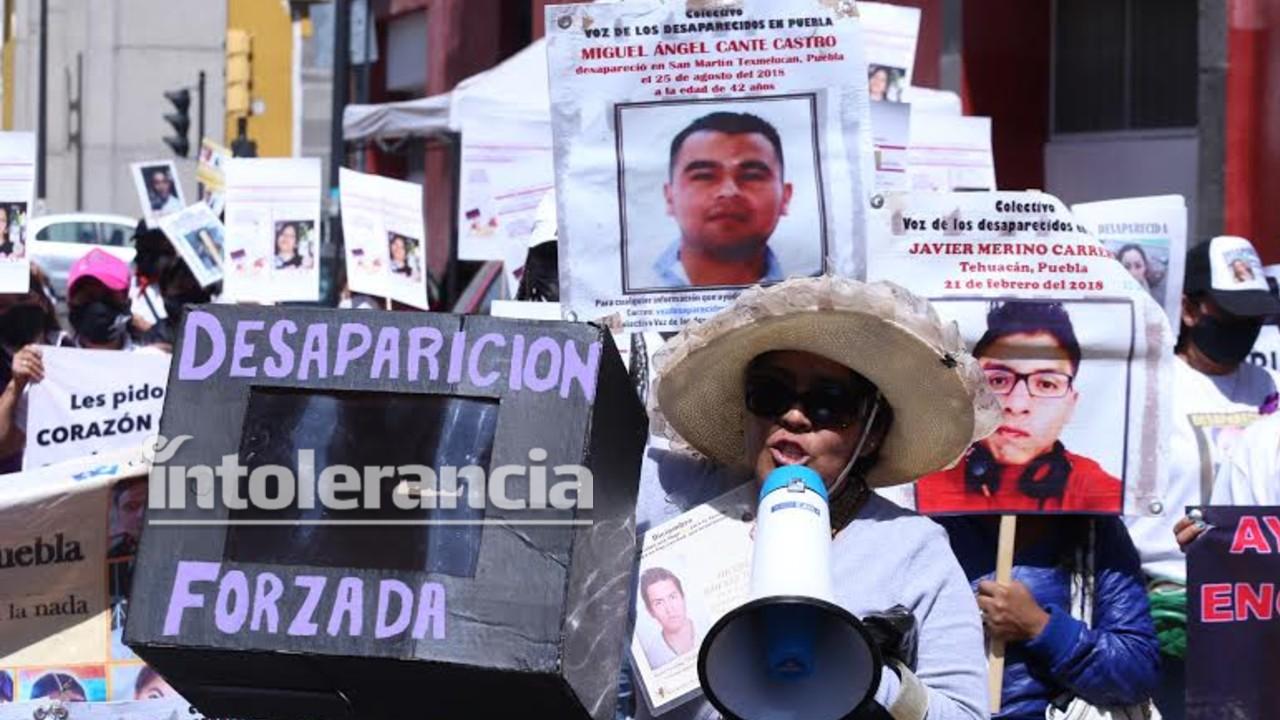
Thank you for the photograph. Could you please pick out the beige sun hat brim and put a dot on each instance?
(941, 404)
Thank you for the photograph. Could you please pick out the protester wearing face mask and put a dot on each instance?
(26, 320)
(178, 287)
(1216, 392)
(98, 308)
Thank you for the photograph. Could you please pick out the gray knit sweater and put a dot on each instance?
(887, 556)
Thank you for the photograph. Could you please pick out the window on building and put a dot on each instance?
(1124, 65)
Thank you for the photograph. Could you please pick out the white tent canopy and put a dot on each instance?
(516, 87)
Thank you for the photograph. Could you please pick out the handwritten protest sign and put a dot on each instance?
(699, 154)
(159, 189)
(384, 237)
(1076, 355)
(91, 401)
(198, 236)
(1233, 613)
(17, 193)
(66, 557)
(673, 558)
(1149, 238)
(273, 229)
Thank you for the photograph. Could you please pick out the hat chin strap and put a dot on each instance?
(867, 422)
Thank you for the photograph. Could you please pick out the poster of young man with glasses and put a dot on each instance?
(1033, 363)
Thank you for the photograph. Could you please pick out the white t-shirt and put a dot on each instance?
(1205, 425)
(1251, 474)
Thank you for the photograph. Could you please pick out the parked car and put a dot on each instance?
(57, 241)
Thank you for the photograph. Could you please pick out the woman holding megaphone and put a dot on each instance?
(863, 385)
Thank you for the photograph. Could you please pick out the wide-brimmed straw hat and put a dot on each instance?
(940, 400)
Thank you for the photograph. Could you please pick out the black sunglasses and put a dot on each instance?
(826, 404)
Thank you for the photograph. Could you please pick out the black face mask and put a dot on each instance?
(99, 322)
(1223, 343)
(20, 325)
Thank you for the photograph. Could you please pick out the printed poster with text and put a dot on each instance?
(384, 237)
(273, 230)
(699, 152)
(1077, 358)
(93, 401)
(1233, 617)
(17, 194)
(1148, 235)
(68, 535)
(198, 236)
(683, 590)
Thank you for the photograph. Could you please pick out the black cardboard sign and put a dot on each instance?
(505, 602)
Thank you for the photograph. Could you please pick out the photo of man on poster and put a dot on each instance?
(726, 190)
(1031, 359)
(664, 600)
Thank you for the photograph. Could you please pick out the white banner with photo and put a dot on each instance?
(1148, 235)
(93, 401)
(68, 534)
(697, 156)
(892, 32)
(159, 190)
(891, 133)
(950, 152)
(1079, 358)
(17, 195)
(384, 237)
(199, 237)
(273, 230)
(682, 590)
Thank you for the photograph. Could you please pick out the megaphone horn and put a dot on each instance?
(790, 653)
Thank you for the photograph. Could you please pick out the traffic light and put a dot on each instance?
(179, 120)
(239, 77)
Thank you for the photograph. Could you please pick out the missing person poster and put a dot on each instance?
(273, 230)
(1233, 617)
(683, 590)
(891, 33)
(384, 237)
(699, 152)
(950, 152)
(17, 193)
(66, 559)
(1148, 236)
(890, 134)
(506, 169)
(1077, 359)
(198, 236)
(159, 191)
(211, 174)
(92, 401)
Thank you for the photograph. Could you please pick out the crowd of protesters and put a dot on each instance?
(1095, 612)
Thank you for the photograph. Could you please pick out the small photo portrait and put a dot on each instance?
(13, 231)
(1146, 262)
(295, 244)
(128, 505)
(85, 683)
(1244, 265)
(6, 686)
(885, 83)
(207, 242)
(404, 256)
(670, 624)
(139, 682)
(159, 184)
(732, 197)
(1058, 369)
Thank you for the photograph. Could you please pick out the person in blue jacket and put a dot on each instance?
(1050, 655)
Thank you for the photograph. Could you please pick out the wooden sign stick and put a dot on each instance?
(1004, 573)
(388, 303)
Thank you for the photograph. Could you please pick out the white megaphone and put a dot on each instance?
(790, 653)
